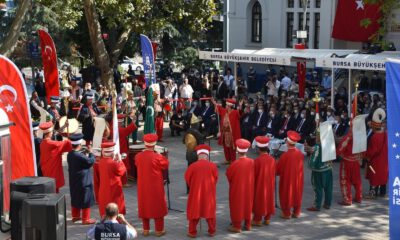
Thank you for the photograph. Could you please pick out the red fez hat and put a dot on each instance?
(107, 146)
(121, 117)
(242, 145)
(293, 137)
(46, 127)
(230, 101)
(150, 139)
(203, 148)
(262, 141)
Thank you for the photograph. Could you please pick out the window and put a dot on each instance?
(317, 3)
(289, 29)
(301, 3)
(290, 4)
(256, 22)
(317, 18)
(307, 25)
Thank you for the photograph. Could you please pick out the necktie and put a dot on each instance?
(301, 124)
(259, 118)
(285, 124)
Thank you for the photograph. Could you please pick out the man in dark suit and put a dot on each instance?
(205, 113)
(246, 122)
(273, 123)
(306, 125)
(222, 89)
(288, 123)
(260, 121)
(86, 117)
(340, 127)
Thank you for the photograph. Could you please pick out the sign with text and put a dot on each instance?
(366, 64)
(244, 58)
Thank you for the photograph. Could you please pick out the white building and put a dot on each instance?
(255, 24)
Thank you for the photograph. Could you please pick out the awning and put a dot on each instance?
(372, 62)
(273, 56)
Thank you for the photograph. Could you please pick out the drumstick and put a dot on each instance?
(372, 169)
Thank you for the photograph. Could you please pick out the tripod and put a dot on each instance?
(166, 182)
(276, 155)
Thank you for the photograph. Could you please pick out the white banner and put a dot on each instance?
(99, 126)
(327, 141)
(245, 58)
(362, 64)
(359, 134)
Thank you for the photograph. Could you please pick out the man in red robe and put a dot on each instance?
(240, 176)
(229, 121)
(377, 155)
(111, 169)
(124, 133)
(264, 191)
(202, 177)
(51, 155)
(291, 173)
(150, 186)
(349, 172)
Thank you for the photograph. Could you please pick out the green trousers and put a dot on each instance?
(322, 183)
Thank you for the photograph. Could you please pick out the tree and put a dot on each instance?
(10, 41)
(120, 19)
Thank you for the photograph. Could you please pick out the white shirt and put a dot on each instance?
(186, 91)
(286, 82)
(130, 232)
(228, 79)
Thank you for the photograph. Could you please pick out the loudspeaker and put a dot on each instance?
(20, 189)
(44, 217)
(33, 185)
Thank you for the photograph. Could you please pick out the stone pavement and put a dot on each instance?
(368, 220)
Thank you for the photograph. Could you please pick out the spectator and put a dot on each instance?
(229, 80)
(251, 79)
(185, 90)
(222, 89)
(112, 226)
(286, 82)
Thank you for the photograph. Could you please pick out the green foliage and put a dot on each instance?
(188, 57)
(387, 6)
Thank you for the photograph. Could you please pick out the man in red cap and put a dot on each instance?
(124, 133)
(51, 155)
(240, 176)
(150, 186)
(377, 155)
(111, 169)
(201, 177)
(291, 173)
(349, 171)
(264, 191)
(229, 128)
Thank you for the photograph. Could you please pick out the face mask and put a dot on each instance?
(296, 111)
(268, 102)
(286, 116)
(329, 113)
(336, 121)
(342, 116)
(326, 75)
(302, 115)
(282, 103)
(312, 113)
(260, 110)
(251, 108)
(207, 104)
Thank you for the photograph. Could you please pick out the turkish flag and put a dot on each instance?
(49, 59)
(301, 74)
(154, 45)
(15, 103)
(356, 21)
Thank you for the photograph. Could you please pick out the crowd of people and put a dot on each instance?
(208, 105)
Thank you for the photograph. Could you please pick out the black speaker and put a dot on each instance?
(33, 185)
(44, 217)
(20, 189)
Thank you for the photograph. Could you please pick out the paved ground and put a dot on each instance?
(368, 220)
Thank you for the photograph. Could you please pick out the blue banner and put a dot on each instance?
(148, 60)
(393, 119)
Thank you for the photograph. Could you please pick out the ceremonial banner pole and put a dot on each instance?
(393, 116)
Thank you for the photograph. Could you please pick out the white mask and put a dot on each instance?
(302, 115)
(312, 113)
(296, 111)
(207, 104)
(260, 110)
(342, 116)
(251, 108)
(329, 113)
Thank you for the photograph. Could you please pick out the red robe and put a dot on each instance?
(264, 191)
(234, 119)
(240, 176)
(377, 153)
(51, 159)
(110, 189)
(291, 181)
(124, 133)
(201, 177)
(150, 184)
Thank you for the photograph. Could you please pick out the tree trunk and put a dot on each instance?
(120, 44)
(99, 49)
(12, 36)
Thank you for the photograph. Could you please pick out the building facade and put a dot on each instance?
(255, 24)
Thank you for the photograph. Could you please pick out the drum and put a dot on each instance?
(135, 149)
(73, 125)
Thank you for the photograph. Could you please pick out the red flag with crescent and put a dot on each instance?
(15, 103)
(49, 60)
